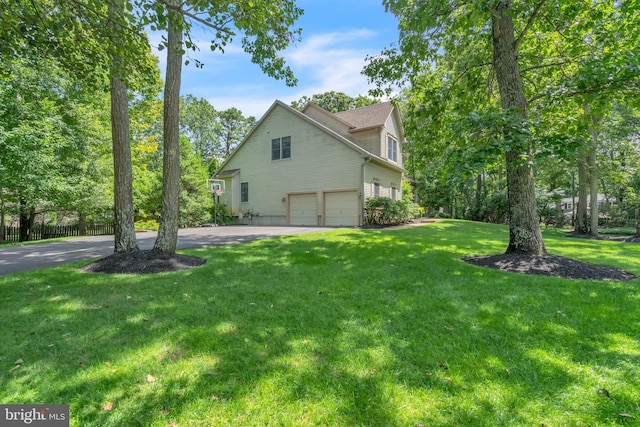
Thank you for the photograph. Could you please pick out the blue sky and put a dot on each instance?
(336, 38)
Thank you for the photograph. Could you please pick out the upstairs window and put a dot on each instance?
(392, 148)
(281, 148)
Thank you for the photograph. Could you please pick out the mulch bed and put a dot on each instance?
(143, 262)
(149, 262)
(549, 265)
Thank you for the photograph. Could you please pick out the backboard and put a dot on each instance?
(215, 186)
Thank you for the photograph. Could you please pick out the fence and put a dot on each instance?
(43, 231)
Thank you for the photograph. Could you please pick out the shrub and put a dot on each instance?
(384, 211)
(146, 225)
(223, 214)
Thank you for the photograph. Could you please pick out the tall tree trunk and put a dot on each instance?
(582, 217)
(525, 236)
(27, 219)
(123, 227)
(82, 224)
(2, 217)
(592, 165)
(23, 222)
(478, 211)
(167, 239)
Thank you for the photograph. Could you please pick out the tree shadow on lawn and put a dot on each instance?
(343, 338)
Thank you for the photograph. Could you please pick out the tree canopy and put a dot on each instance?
(334, 102)
(465, 101)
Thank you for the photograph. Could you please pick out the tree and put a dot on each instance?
(334, 102)
(448, 25)
(51, 136)
(213, 134)
(123, 224)
(266, 28)
(195, 201)
(199, 123)
(233, 127)
(524, 226)
(167, 238)
(96, 43)
(553, 50)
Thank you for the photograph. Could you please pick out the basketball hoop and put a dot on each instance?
(215, 186)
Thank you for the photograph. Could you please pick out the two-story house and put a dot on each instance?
(313, 167)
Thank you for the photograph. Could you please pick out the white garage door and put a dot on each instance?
(303, 209)
(341, 208)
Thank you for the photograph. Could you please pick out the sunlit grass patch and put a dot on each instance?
(347, 327)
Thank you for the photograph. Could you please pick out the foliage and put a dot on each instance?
(233, 127)
(53, 141)
(495, 208)
(222, 214)
(146, 225)
(345, 327)
(386, 211)
(213, 134)
(571, 55)
(335, 102)
(264, 28)
(198, 123)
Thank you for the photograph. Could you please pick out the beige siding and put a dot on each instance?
(231, 196)
(391, 128)
(386, 177)
(328, 121)
(318, 162)
(369, 140)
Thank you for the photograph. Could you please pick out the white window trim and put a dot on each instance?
(397, 148)
(280, 146)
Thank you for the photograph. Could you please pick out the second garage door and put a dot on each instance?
(341, 208)
(303, 209)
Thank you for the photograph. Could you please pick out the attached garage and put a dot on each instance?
(303, 209)
(341, 208)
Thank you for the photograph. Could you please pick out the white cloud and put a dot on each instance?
(323, 62)
(332, 62)
(250, 106)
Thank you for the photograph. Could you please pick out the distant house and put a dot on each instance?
(569, 205)
(313, 167)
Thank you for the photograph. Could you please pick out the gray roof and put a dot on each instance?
(368, 117)
(228, 172)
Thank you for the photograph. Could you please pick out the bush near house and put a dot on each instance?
(385, 211)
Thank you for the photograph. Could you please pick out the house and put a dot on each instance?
(313, 167)
(569, 205)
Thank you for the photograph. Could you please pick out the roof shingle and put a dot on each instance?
(367, 117)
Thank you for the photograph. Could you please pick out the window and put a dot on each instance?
(376, 190)
(392, 148)
(393, 193)
(281, 148)
(244, 192)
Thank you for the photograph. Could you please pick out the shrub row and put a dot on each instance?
(385, 211)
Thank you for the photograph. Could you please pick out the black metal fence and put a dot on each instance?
(43, 231)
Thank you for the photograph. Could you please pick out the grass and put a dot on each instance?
(618, 231)
(344, 328)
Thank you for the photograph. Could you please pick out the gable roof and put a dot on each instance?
(311, 106)
(368, 117)
(362, 151)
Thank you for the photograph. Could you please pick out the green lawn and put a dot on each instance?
(340, 328)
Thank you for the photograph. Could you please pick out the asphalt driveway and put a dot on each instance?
(14, 259)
